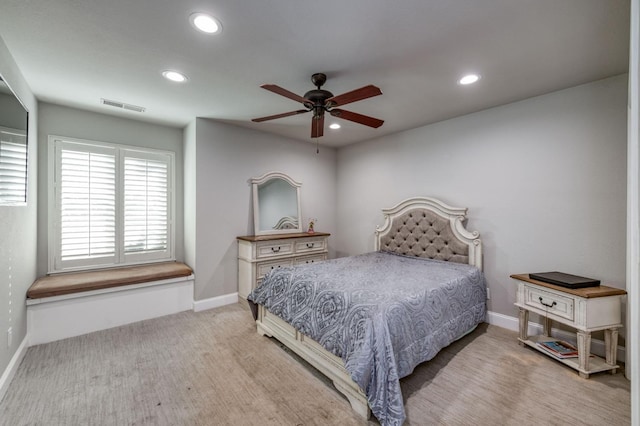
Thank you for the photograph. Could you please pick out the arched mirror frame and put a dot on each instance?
(256, 183)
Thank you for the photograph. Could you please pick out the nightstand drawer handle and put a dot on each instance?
(310, 245)
(547, 305)
(275, 250)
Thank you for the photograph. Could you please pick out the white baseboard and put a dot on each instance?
(59, 318)
(10, 371)
(511, 323)
(215, 302)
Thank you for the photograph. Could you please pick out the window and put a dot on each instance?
(13, 166)
(113, 205)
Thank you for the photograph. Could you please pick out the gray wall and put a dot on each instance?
(18, 228)
(225, 158)
(544, 180)
(74, 123)
(189, 193)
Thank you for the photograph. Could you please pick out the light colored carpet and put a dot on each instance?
(211, 368)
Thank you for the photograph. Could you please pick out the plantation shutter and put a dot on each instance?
(87, 191)
(13, 166)
(146, 204)
(113, 205)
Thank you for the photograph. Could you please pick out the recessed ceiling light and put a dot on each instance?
(205, 23)
(174, 76)
(469, 79)
(334, 126)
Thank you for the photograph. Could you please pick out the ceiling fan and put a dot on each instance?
(320, 101)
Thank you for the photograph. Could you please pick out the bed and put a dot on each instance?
(366, 321)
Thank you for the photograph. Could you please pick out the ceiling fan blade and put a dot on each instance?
(317, 126)
(357, 118)
(284, 92)
(284, 114)
(353, 96)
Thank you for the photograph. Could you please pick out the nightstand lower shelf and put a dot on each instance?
(596, 364)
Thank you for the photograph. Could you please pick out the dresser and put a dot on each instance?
(259, 254)
(584, 309)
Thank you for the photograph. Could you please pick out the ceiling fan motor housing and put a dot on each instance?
(318, 97)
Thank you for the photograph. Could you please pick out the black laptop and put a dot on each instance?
(564, 280)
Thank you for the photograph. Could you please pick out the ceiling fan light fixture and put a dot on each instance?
(205, 23)
(469, 79)
(174, 76)
(334, 126)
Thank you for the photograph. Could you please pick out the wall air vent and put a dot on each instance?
(122, 105)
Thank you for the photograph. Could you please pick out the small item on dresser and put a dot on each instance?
(312, 223)
(559, 348)
(565, 280)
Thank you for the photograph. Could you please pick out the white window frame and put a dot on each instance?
(55, 265)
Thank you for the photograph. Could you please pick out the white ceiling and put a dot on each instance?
(74, 52)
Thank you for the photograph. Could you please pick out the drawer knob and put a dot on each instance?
(310, 245)
(275, 250)
(546, 304)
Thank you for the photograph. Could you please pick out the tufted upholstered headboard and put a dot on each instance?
(426, 227)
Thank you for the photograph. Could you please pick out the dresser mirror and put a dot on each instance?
(13, 148)
(276, 204)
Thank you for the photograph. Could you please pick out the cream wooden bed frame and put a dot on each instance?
(331, 365)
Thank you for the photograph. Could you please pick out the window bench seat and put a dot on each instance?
(71, 304)
(77, 282)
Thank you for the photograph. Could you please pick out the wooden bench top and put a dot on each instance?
(76, 282)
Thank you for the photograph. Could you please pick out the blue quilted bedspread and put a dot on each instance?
(382, 313)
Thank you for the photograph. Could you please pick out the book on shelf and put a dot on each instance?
(559, 348)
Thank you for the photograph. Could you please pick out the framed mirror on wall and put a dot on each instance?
(276, 204)
(14, 120)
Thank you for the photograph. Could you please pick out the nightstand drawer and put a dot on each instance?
(266, 267)
(549, 302)
(273, 249)
(310, 245)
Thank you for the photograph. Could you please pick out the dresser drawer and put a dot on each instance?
(549, 302)
(310, 259)
(310, 245)
(265, 267)
(273, 249)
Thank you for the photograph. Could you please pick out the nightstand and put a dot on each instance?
(584, 309)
